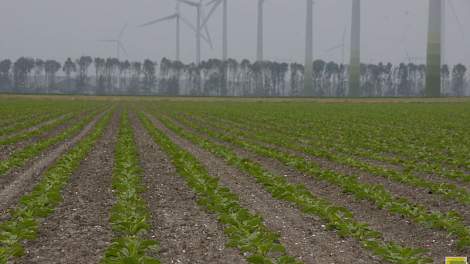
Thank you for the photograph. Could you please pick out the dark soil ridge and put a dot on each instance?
(186, 233)
(393, 227)
(7, 150)
(304, 237)
(416, 195)
(79, 230)
(23, 180)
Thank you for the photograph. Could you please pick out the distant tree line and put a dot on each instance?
(100, 76)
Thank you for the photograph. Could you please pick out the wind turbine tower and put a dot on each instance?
(443, 32)
(355, 60)
(434, 49)
(308, 74)
(259, 53)
(225, 31)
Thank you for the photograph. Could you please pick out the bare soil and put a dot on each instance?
(304, 237)
(79, 230)
(186, 233)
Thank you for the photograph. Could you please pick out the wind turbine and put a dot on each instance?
(118, 42)
(260, 44)
(216, 3)
(355, 60)
(308, 75)
(199, 27)
(177, 16)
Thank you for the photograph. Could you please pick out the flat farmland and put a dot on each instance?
(206, 180)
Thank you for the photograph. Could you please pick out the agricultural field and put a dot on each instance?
(204, 180)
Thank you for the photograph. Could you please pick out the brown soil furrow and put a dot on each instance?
(79, 230)
(186, 233)
(305, 237)
(21, 181)
(393, 227)
(7, 150)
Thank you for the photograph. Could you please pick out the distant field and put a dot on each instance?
(233, 180)
(242, 99)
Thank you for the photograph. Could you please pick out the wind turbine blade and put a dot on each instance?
(121, 46)
(334, 48)
(189, 3)
(457, 18)
(209, 39)
(211, 12)
(122, 31)
(193, 28)
(211, 2)
(206, 30)
(187, 23)
(159, 20)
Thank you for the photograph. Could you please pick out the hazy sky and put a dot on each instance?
(61, 28)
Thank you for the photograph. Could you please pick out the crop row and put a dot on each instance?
(31, 121)
(39, 131)
(407, 147)
(375, 137)
(20, 157)
(338, 218)
(245, 230)
(357, 140)
(377, 194)
(446, 190)
(27, 216)
(414, 158)
(14, 112)
(129, 215)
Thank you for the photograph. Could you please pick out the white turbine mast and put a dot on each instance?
(118, 42)
(355, 55)
(308, 77)
(260, 35)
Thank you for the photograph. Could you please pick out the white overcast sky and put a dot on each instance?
(70, 28)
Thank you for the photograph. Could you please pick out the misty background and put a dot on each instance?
(58, 29)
